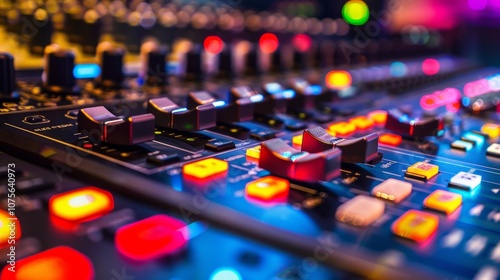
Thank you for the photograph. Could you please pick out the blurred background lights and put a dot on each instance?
(302, 42)
(225, 274)
(355, 12)
(430, 66)
(268, 43)
(338, 79)
(398, 69)
(213, 44)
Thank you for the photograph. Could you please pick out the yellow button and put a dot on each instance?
(361, 122)
(342, 128)
(205, 168)
(253, 152)
(378, 116)
(10, 229)
(81, 205)
(493, 130)
(416, 225)
(297, 140)
(268, 188)
(423, 169)
(443, 201)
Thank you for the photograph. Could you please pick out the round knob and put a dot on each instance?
(58, 70)
(110, 59)
(7, 75)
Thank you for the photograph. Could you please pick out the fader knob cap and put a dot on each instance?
(111, 61)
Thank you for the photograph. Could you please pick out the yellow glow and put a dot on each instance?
(5, 220)
(81, 204)
(254, 152)
(297, 140)
(443, 201)
(342, 128)
(493, 130)
(338, 79)
(205, 168)
(268, 188)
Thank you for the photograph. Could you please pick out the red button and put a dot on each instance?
(59, 263)
(151, 238)
(390, 139)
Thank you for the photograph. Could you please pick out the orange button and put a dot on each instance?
(361, 122)
(416, 225)
(59, 263)
(443, 201)
(297, 140)
(10, 229)
(342, 128)
(378, 116)
(493, 130)
(81, 204)
(390, 139)
(268, 188)
(205, 168)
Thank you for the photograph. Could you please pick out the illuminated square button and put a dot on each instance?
(491, 129)
(390, 139)
(461, 145)
(297, 140)
(253, 152)
(9, 226)
(416, 225)
(59, 263)
(465, 180)
(151, 238)
(268, 188)
(81, 204)
(443, 201)
(393, 190)
(378, 116)
(360, 211)
(493, 150)
(361, 122)
(205, 168)
(423, 170)
(342, 128)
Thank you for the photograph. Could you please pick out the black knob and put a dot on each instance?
(225, 64)
(252, 62)
(111, 61)
(58, 75)
(91, 31)
(7, 76)
(154, 64)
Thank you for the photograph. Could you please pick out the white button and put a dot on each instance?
(476, 244)
(487, 273)
(494, 150)
(466, 180)
(461, 145)
(453, 238)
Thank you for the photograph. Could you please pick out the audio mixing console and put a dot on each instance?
(200, 141)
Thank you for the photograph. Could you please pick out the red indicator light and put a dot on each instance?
(213, 44)
(430, 66)
(302, 42)
(59, 263)
(390, 139)
(268, 43)
(9, 226)
(151, 238)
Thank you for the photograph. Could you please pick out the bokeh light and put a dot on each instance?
(430, 66)
(213, 44)
(355, 12)
(338, 79)
(302, 42)
(268, 43)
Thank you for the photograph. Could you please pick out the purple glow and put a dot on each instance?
(477, 5)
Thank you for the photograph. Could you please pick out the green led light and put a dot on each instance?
(355, 12)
